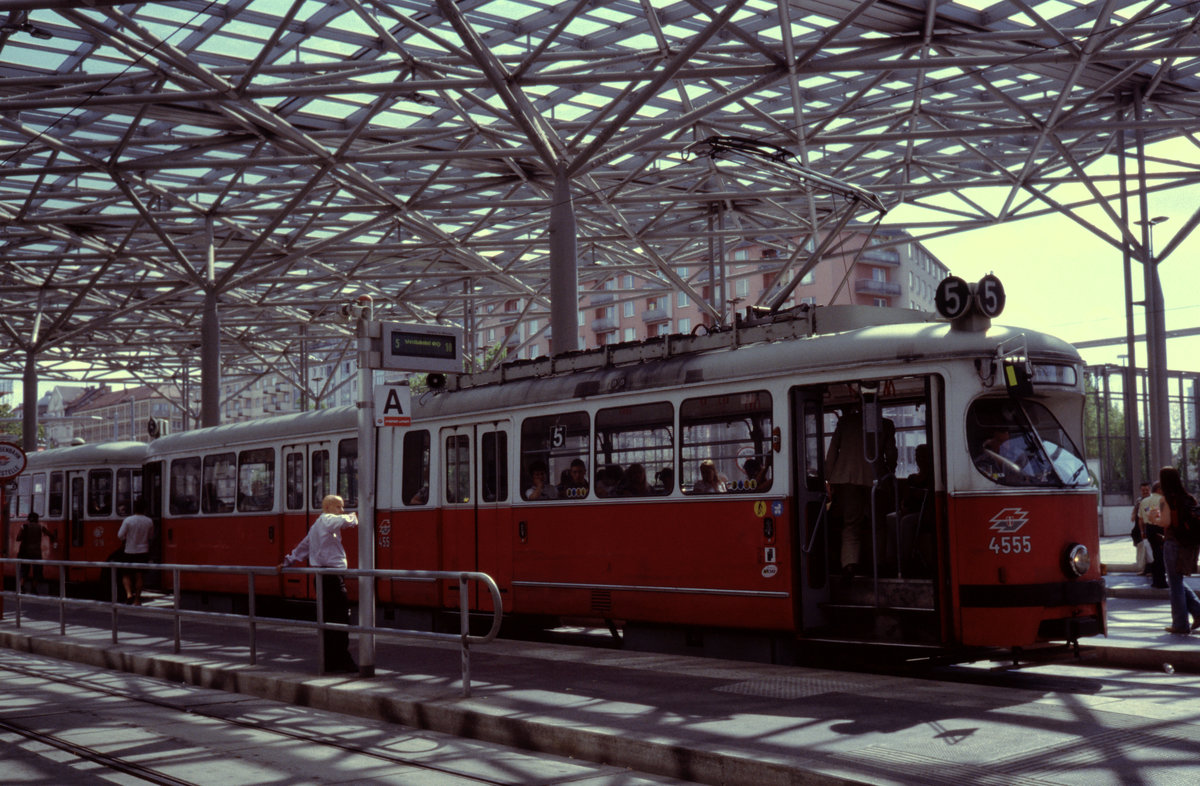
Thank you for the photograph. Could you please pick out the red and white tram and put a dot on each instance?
(844, 473)
(80, 493)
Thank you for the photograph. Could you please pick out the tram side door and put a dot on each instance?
(475, 510)
(811, 537)
(76, 534)
(308, 477)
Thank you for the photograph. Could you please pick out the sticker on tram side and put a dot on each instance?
(777, 508)
(769, 571)
(760, 508)
(385, 533)
(769, 554)
(1008, 522)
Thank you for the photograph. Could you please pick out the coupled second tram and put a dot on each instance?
(836, 474)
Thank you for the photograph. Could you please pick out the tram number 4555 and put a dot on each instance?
(1011, 544)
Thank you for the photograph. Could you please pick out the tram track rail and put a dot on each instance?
(117, 764)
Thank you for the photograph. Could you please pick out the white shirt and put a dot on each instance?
(135, 531)
(322, 546)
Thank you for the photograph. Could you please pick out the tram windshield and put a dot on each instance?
(1020, 443)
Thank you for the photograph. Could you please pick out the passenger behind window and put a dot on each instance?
(574, 483)
(540, 487)
(709, 482)
(607, 480)
(758, 475)
(664, 480)
(634, 483)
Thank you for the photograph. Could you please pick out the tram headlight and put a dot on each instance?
(1078, 560)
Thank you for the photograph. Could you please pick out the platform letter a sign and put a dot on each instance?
(393, 406)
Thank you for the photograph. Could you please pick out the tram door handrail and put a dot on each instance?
(251, 618)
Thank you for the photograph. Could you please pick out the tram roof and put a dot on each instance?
(122, 452)
(307, 425)
(889, 338)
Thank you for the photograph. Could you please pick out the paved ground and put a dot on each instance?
(723, 722)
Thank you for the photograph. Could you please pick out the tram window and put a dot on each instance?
(1019, 442)
(100, 492)
(458, 468)
(635, 450)
(38, 501)
(54, 499)
(293, 468)
(493, 466)
(320, 478)
(414, 471)
(733, 432)
(256, 480)
(347, 471)
(560, 443)
(220, 483)
(185, 486)
(129, 488)
(24, 486)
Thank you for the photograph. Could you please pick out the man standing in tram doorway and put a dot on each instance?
(323, 548)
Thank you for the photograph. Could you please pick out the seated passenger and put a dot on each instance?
(664, 480)
(575, 484)
(634, 483)
(709, 482)
(540, 487)
(607, 480)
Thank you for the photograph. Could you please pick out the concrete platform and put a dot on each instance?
(723, 722)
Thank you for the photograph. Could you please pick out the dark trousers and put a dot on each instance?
(31, 571)
(336, 608)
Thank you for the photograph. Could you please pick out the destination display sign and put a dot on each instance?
(423, 348)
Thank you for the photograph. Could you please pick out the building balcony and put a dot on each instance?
(655, 315)
(869, 286)
(602, 298)
(881, 256)
(603, 325)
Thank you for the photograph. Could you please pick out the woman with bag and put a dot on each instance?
(1179, 555)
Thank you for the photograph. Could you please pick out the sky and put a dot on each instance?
(1060, 278)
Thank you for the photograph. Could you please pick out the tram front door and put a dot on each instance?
(864, 523)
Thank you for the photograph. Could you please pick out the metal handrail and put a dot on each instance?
(251, 572)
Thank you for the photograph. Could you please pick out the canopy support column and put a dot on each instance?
(564, 268)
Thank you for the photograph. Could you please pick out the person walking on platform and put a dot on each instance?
(30, 539)
(1180, 556)
(1148, 511)
(135, 533)
(323, 548)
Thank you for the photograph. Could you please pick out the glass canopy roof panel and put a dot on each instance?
(372, 147)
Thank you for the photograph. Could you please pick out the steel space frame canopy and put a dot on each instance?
(292, 156)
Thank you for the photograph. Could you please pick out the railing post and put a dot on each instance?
(178, 620)
(112, 600)
(464, 627)
(62, 600)
(250, 614)
(17, 611)
(320, 624)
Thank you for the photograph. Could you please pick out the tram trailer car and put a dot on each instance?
(848, 474)
(82, 494)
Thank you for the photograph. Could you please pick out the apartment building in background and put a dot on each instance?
(892, 270)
